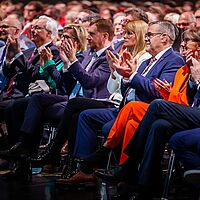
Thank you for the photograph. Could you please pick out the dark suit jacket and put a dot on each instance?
(164, 68)
(118, 45)
(28, 71)
(93, 81)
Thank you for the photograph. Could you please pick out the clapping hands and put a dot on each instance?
(124, 66)
(163, 87)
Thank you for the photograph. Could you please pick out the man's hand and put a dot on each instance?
(112, 61)
(127, 66)
(13, 48)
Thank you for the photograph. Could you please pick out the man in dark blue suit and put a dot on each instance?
(164, 65)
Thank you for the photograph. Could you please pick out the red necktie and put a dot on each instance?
(32, 55)
(11, 85)
(153, 59)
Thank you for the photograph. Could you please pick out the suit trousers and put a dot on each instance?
(27, 115)
(89, 123)
(186, 145)
(69, 122)
(160, 122)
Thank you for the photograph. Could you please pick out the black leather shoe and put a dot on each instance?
(22, 172)
(69, 168)
(114, 176)
(16, 151)
(46, 157)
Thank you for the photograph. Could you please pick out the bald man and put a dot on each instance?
(8, 27)
(197, 17)
(186, 20)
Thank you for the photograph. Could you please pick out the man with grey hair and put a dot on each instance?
(24, 67)
(186, 20)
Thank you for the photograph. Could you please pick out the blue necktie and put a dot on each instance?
(75, 91)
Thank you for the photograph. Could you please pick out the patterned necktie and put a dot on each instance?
(147, 68)
(32, 55)
(11, 85)
(75, 91)
(3, 55)
(94, 56)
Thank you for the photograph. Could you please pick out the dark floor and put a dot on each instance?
(43, 187)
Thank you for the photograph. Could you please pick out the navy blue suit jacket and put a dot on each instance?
(164, 68)
(93, 81)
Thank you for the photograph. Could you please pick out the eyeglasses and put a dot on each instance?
(38, 28)
(7, 26)
(150, 35)
(182, 24)
(129, 34)
(65, 37)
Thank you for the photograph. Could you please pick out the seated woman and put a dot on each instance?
(22, 126)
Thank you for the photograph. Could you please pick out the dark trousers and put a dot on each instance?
(69, 122)
(3, 105)
(161, 121)
(186, 145)
(27, 115)
(90, 121)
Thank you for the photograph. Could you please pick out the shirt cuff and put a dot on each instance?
(18, 55)
(70, 64)
(132, 76)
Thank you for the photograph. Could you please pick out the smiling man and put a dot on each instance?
(7, 27)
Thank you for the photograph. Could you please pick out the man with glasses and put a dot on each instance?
(186, 20)
(90, 75)
(8, 28)
(197, 17)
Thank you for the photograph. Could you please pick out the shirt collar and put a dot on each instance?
(159, 55)
(44, 45)
(101, 51)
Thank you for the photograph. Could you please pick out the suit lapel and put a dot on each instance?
(143, 66)
(160, 60)
(100, 57)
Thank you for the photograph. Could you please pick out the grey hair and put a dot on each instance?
(166, 27)
(51, 25)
